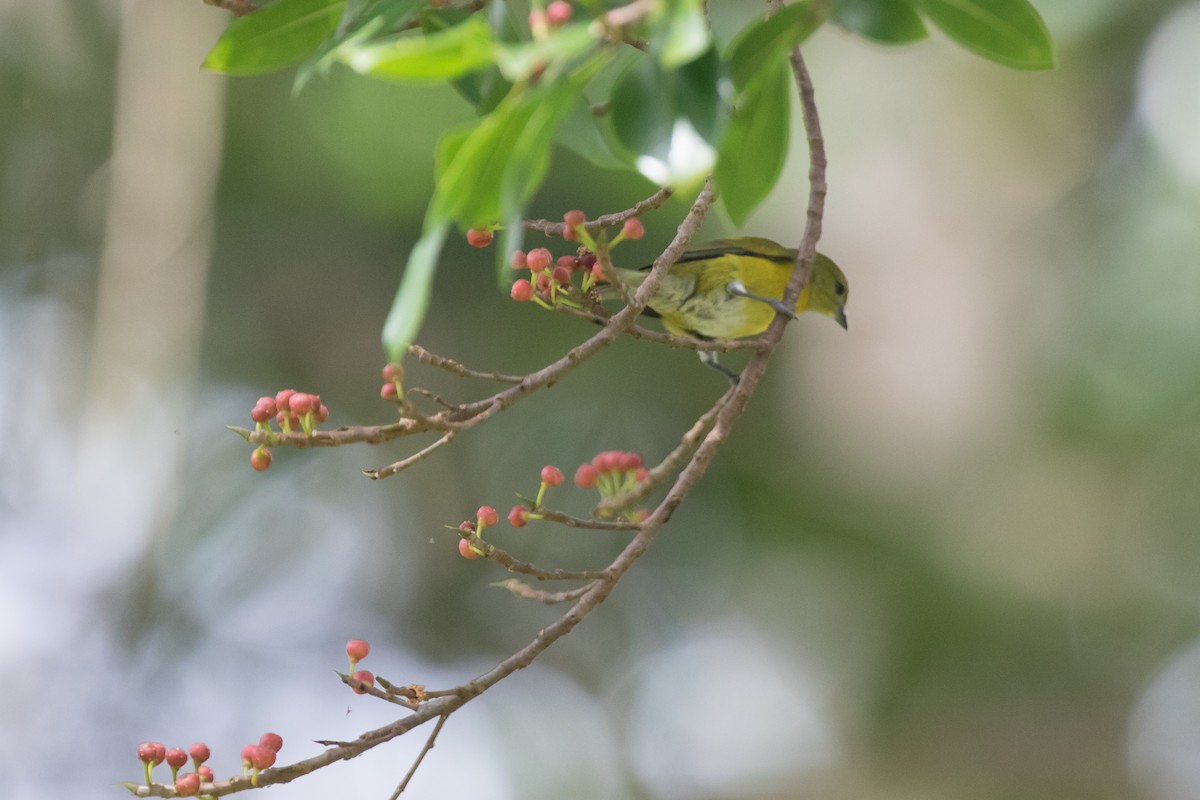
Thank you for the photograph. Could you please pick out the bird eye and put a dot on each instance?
(839, 288)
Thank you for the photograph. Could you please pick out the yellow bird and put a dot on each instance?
(732, 288)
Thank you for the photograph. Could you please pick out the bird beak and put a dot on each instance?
(841, 318)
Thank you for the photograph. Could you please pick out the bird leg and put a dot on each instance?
(738, 289)
(709, 359)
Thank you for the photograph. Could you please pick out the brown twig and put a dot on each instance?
(239, 8)
(527, 592)
(405, 463)
(550, 227)
(420, 756)
(450, 365)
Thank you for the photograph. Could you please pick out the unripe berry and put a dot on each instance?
(187, 785)
(633, 228)
(518, 259)
(393, 372)
(522, 290)
(467, 526)
(260, 459)
(357, 649)
(206, 774)
(176, 758)
(566, 261)
(300, 403)
(586, 475)
(152, 753)
(479, 237)
(518, 517)
(199, 752)
(562, 275)
(641, 475)
(322, 412)
(388, 391)
(466, 551)
(538, 259)
(487, 515)
(264, 409)
(261, 756)
(558, 13)
(271, 740)
(283, 398)
(551, 476)
(572, 218)
(543, 284)
(628, 461)
(607, 461)
(365, 677)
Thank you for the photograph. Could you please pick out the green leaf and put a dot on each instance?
(681, 33)
(886, 21)
(1009, 32)
(519, 61)
(669, 121)
(274, 37)
(505, 154)
(380, 19)
(416, 287)
(584, 133)
(763, 42)
(755, 145)
(450, 53)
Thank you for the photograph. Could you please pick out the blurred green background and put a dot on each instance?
(952, 553)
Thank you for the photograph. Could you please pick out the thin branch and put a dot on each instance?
(527, 592)
(426, 357)
(493, 553)
(405, 463)
(420, 757)
(239, 8)
(591, 524)
(550, 227)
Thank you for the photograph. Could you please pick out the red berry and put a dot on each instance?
(393, 372)
(587, 261)
(518, 517)
(206, 774)
(551, 476)
(261, 756)
(271, 740)
(628, 461)
(543, 283)
(573, 219)
(365, 677)
(152, 752)
(467, 526)
(466, 551)
(558, 13)
(522, 290)
(187, 785)
(641, 475)
(598, 271)
(260, 459)
(300, 403)
(199, 752)
(357, 649)
(633, 228)
(479, 237)
(607, 461)
(176, 757)
(562, 275)
(487, 515)
(247, 753)
(586, 475)
(388, 391)
(264, 409)
(538, 259)
(518, 259)
(283, 398)
(322, 412)
(566, 261)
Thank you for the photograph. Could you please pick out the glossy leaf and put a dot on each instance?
(449, 53)
(416, 286)
(761, 43)
(379, 19)
(1009, 32)
(755, 145)
(886, 21)
(681, 33)
(669, 120)
(274, 37)
(585, 134)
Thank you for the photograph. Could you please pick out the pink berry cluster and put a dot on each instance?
(521, 514)
(257, 757)
(553, 284)
(358, 649)
(151, 754)
(484, 517)
(612, 473)
(392, 389)
(290, 410)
